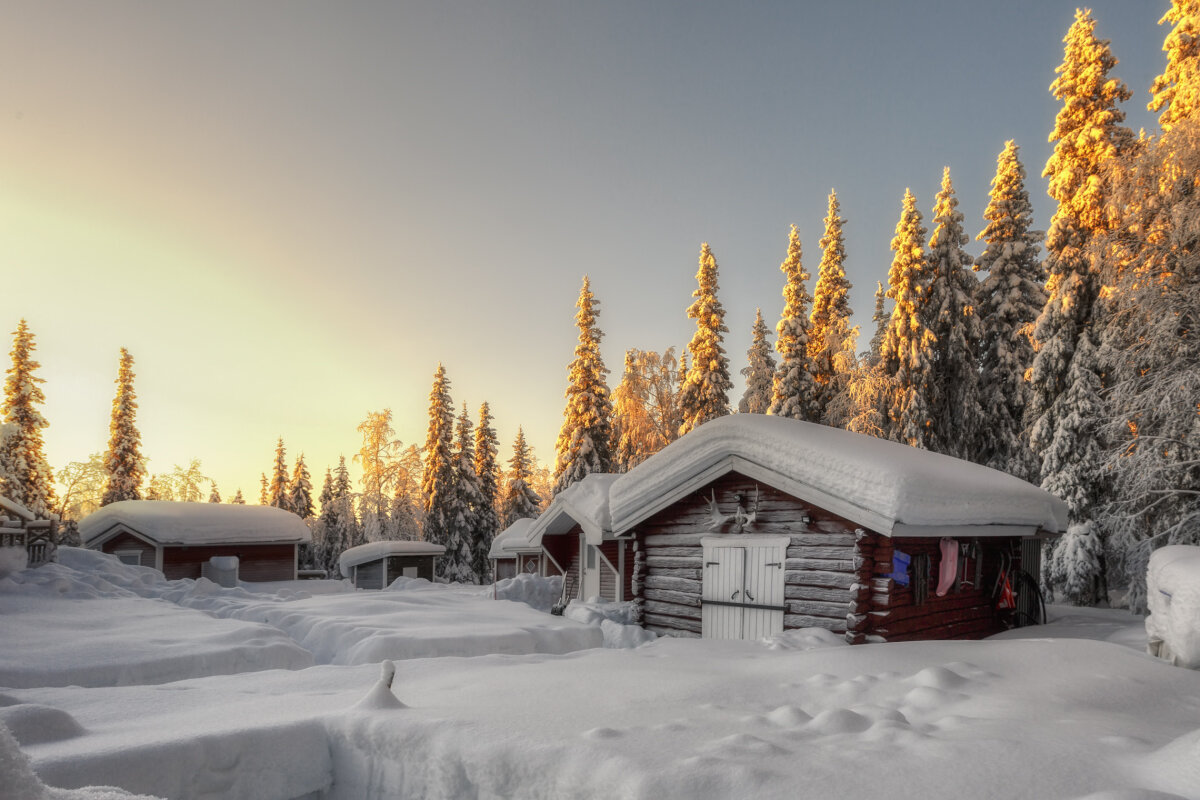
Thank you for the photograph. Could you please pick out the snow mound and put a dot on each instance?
(32, 723)
(20, 782)
(615, 620)
(1173, 595)
(12, 559)
(804, 639)
(532, 590)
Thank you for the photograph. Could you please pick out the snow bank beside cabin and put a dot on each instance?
(1173, 596)
(844, 471)
(64, 626)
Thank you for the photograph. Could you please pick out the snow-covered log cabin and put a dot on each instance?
(512, 553)
(751, 525)
(179, 538)
(375, 565)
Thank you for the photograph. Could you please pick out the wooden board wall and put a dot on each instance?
(825, 576)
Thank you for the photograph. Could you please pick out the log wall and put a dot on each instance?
(968, 613)
(824, 573)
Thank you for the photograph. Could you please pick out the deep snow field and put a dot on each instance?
(112, 676)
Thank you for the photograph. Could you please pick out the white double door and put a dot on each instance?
(742, 588)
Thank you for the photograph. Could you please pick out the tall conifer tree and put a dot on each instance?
(438, 492)
(299, 500)
(487, 516)
(792, 390)
(907, 352)
(705, 391)
(214, 496)
(30, 481)
(277, 494)
(520, 500)
(831, 338)
(1177, 91)
(123, 461)
(760, 372)
(1010, 300)
(586, 434)
(957, 331)
(238, 500)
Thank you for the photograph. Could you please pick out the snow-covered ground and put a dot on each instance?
(1071, 710)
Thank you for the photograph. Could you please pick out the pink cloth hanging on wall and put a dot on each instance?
(948, 570)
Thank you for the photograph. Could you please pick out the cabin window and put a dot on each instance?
(131, 557)
(591, 557)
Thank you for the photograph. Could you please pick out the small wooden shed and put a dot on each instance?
(179, 539)
(376, 564)
(512, 553)
(751, 525)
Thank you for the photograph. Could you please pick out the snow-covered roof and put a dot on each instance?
(888, 487)
(13, 508)
(584, 503)
(513, 539)
(169, 522)
(373, 551)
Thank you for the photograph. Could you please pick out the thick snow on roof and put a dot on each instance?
(168, 522)
(888, 487)
(585, 503)
(373, 551)
(511, 539)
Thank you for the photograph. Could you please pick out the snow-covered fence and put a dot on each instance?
(19, 528)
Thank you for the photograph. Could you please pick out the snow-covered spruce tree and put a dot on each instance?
(487, 515)
(214, 496)
(238, 500)
(262, 489)
(1177, 91)
(1155, 427)
(760, 371)
(520, 501)
(586, 434)
(831, 338)
(907, 353)
(299, 499)
(631, 425)
(957, 331)
(277, 493)
(1089, 139)
(704, 394)
(123, 460)
(350, 532)
(793, 391)
(1010, 299)
(30, 481)
(1071, 460)
(439, 492)
(404, 518)
(325, 530)
(466, 502)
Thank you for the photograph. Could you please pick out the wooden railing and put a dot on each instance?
(39, 538)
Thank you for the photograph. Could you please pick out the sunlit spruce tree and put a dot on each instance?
(907, 353)
(760, 371)
(792, 390)
(704, 394)
(1010, 299)
(487, 515)
(214, 496)
(1177, 90)
(1088, 138)
(831, 338)
(520, 501)
(586, 434)
(325, 545)
(123, 462)
(299, 499)
(277, 493)
(864, 404)
(238, 500)
(29, 480)
(957, 330)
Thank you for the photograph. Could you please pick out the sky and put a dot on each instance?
(291, 212)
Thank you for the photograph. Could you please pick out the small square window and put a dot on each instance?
(131, 557)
